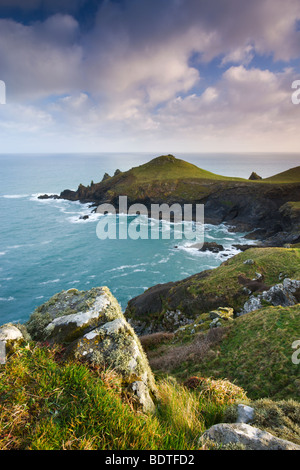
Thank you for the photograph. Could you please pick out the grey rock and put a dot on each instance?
(250, 437)
(11, 336)
(245, 413)
(215, 323)
(71, 314)
(93, 329)
(284, 294)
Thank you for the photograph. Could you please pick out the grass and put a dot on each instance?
(224, 286)
(290, 176)
(167, 167)
(255, 353)
(46, 404)
(270, 262)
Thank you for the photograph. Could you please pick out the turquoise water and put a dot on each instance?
(45, 247)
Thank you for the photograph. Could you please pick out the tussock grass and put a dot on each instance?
(47, 404)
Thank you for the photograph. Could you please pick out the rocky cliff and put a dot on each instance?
(246, 205)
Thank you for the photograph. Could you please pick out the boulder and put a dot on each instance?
(222, 312)
(285, 294)
(11, 337)
(70, 314)
(93, 329)
(212, 246)
(249, 437)
(254, 176)
(115, 345)
(245, 413)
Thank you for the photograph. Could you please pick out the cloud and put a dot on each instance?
(247, 109)
(39, 60)
(130, 75)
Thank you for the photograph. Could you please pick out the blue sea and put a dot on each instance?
(45, 246)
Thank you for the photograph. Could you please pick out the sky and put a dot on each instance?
(162, 76)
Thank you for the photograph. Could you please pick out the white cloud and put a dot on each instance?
(130, 78)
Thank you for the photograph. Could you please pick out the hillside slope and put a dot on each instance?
(229, 285)
(245, 205)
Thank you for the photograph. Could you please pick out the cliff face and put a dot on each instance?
(246, 205)
(167, 307)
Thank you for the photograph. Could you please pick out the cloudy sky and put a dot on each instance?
(149, 75)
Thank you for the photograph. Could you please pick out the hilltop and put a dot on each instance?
(266, 206)
(290, 176)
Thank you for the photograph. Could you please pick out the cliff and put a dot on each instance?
(246, 205)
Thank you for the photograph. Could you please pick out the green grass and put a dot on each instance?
(290, 176)
(270, 262)
(167, 167)
(255, 354)
(46, 404)
(220, 287)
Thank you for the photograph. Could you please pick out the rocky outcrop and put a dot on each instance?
(212, 246)
(71, 314)
(239, 280)
(244, 436)
(285, 294)
(254, 176)
(92, 328)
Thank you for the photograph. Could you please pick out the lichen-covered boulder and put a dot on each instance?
(285, 294)
(70, 314)
(115, 345)
(249, 437)
(91, 326)
(11, 337)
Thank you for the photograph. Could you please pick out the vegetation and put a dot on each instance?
(46, 404)
(289, 176)
(254, 352)
(226, 286)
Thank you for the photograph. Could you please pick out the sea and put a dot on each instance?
(46, 246)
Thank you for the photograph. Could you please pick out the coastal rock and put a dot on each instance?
(285, 294)
(92, 327)
(71, 314)
(242, 434)
(254, 176)
(212, 246)
(244, 247)
(217, 316)
(115, 345)
(11, 336)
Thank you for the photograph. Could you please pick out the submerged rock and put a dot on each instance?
(212, 246)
